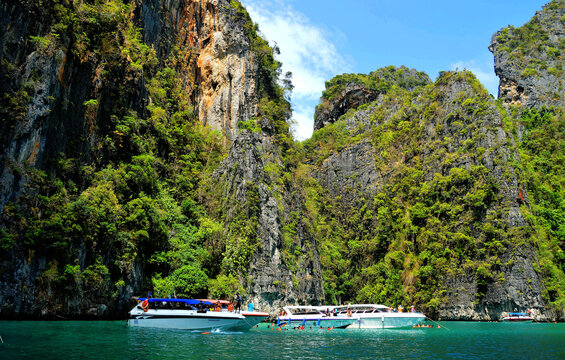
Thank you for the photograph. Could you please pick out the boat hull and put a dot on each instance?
(186, 319)
(253, 318)
(387, 322)
(188, 323)
(518, 320)
(328, 322)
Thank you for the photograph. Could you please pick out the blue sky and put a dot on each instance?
(321, 39)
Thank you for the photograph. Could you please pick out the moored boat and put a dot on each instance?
(517, 317)
(312, 316)
(190, 314)
(376, 316)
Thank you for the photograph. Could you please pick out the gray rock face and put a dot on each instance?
(456, 117)
(353, 96)
(220, 72)
(519, 290)
(528, 60)
(352, 168)
(271, 283)
(353, 90)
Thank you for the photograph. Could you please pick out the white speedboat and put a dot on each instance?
(312, 316)
(517, 317)
(190, 314)
(375, 316)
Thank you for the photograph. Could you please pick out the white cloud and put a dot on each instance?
(306, 51)
(483, 71)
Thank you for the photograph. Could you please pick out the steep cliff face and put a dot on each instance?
(104, 153)
(425, 192)
(51, 83)
(284, 267)
(216, 57)
(349, 91)
(529, 60)
(428, 188)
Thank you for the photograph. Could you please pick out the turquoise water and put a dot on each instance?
(115, 340)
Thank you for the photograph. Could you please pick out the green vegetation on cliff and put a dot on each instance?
(458, 185)
(542, 167)
(442, 209)
(142, 206)
(380, 80)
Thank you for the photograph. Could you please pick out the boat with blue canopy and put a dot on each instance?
(190, 314)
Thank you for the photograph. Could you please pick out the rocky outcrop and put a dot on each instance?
(520, 289)
(350, 91)
(529, 62)
(351, 97)
(450, 121)
(271, 282)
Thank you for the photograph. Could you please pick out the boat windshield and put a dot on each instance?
(304, 311)
(362, 309)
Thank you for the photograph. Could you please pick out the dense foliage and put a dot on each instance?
(542, 165)
(440, 212)
(380, 80)
(141, 205)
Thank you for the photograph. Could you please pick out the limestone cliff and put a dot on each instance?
(397, 152)
(89, 91)
(284, 268)
(349, 91)
(220, 69)
(529, 60)
(427, 199)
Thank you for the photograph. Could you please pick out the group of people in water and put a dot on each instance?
(301, 327)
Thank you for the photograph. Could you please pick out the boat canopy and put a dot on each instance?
(214, 301)
(517, 314)
(173, 300)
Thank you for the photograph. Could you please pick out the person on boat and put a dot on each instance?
(348, 309)
(413, 309)
(218, 307)
(230, 307)
(201, 306)
(237, 302)
(250, 306)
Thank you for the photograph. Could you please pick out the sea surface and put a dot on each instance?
(115, 340)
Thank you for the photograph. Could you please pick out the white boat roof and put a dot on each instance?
(300, 308)
(374, 306)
